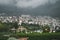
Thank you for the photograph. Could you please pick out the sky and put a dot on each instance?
(26, 3)
(33, 3)
(33, 7)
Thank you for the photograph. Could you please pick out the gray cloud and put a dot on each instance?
(9, 7)
(26, 3)
(32, 3)
(6, 2)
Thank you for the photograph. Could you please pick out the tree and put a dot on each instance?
(7, 26)
(15, 25)
(46, 28)
(3, 27)
(31, 27)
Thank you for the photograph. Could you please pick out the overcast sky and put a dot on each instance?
(26, 3)
(34, 7)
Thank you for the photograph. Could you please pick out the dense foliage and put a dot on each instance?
(31, 26)
(5, 27)
(5, 30)
(39, 36)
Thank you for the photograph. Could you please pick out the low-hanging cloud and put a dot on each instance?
(6, 2)
(32, 3)
(27, 3)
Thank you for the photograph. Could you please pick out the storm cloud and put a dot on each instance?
(33, 3)
(32, 7)
(6, 2)
(26, 3)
